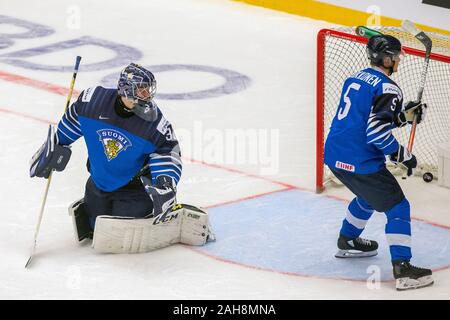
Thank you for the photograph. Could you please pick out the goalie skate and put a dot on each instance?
(356, 248)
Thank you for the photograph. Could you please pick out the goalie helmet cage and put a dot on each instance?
(341, 53)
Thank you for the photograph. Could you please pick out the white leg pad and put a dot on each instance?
(186, 224)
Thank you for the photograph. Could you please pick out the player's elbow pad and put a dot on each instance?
(50, 157)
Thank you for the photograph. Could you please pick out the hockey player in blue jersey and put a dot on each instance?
(133, 154)
(360, 138)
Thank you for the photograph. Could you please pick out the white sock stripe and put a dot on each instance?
(397, 239)
(354, 221)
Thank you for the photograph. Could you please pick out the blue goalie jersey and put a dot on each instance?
(361, 132)
(119, 145)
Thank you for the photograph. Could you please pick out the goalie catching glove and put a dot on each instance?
(50, 156)
(410, 109)
(163, 193)
(406, 158)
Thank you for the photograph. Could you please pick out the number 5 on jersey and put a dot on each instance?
(343, 112)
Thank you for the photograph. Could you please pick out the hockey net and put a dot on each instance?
(341, 53)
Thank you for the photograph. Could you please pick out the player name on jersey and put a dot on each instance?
(370, 78)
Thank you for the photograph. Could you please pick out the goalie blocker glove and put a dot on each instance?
(410, 109)
(406, 158)
(50, 156)
(163, 193)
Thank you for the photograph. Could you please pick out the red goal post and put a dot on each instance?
(341, 53)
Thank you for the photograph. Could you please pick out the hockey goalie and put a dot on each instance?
(134, 161)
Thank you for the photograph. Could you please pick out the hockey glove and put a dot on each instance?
(409, 110)
(50, 156)
(406, 158)
(162, 193)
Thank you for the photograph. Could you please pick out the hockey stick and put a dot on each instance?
(427, 42)
(366, 32)
(44, 200)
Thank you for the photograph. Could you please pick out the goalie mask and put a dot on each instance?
(139, 85)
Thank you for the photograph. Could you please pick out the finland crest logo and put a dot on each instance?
(113, 142)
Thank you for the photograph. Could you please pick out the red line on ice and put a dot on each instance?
(35, 83)
(23, 115)
(251, 175)
(295, 274)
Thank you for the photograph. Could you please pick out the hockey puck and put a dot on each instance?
(427, 177)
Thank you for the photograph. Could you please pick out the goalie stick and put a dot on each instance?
(41, 212)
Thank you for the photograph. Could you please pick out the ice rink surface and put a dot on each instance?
(238, 84)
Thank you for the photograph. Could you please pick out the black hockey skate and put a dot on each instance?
(356, 248)
(80, 221)
(408, 276)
